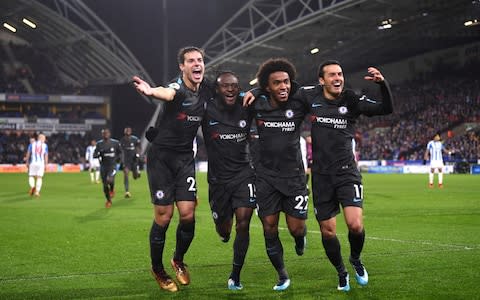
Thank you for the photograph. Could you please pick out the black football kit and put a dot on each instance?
(129, 145)
(171, 165)
(280, 173)
(230, 172)
(108, 152)
(335, 176)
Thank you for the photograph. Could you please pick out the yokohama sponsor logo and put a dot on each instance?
(184, 117)
(194, 118)
(334, 121)
(232, 136)
(285, 126)
(279, 124)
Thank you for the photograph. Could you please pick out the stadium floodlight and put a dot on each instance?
(9, 27)
(253, 81)
(385, 24)
(471, 23)
(29, 23)
(314, 50)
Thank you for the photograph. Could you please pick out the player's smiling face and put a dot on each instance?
(332, 81)
(279, 86)
(228, 88)
(193, 68)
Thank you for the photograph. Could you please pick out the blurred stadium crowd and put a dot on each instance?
(63, 148)
(423, 109)
(446, 100)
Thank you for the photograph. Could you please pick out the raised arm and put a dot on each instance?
(371, 107)
(160, 93)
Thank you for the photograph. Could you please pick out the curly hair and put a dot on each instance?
(274, 65)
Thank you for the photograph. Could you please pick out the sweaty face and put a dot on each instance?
(332, 81)
(279, 86)
(228, 88)
(193, 67)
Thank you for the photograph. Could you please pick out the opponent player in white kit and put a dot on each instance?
(37, 161)
(435, 151)
(93, 163)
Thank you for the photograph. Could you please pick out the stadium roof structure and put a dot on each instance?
(358, 33)
(86, 51)
(83, 48)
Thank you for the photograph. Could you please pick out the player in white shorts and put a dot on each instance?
(37, 161)
(93, 163)
(435, 151)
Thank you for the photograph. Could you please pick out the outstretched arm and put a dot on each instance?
(160, 93)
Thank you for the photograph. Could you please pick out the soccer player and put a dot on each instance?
(37, 161)
(93, 163)
(130, 145)
(435, 149)
(280, 182)
(108, 151)
(231, 179)
(336, 180)
(171, 166)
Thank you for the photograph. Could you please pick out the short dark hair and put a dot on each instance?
(326, 63)
(184, 50)
(274, 65)
(221, 73)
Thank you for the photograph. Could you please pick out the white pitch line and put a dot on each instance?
(464, 247)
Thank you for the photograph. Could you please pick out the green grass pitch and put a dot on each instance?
(421, 244)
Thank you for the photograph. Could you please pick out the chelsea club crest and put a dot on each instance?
(289, 113)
